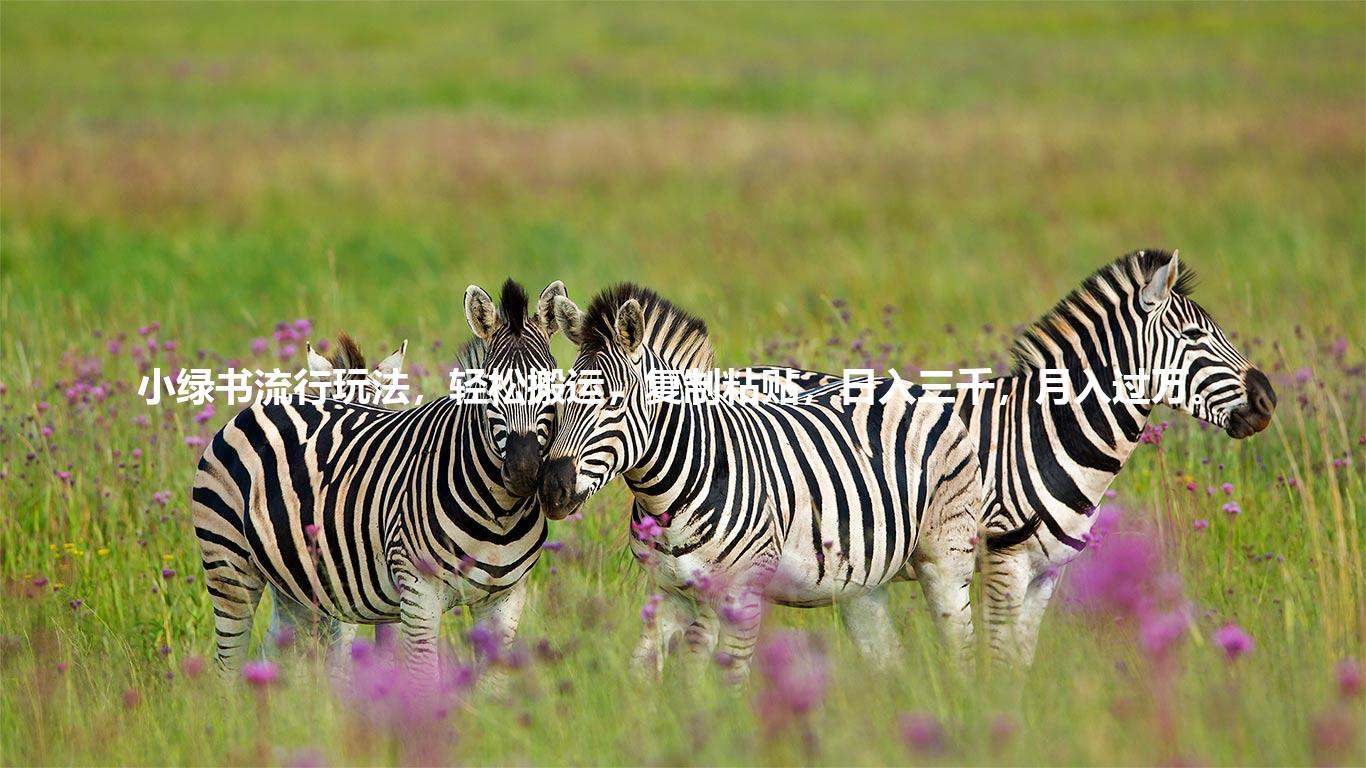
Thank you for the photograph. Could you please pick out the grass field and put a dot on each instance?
(217, 169)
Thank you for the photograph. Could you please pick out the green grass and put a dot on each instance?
(219, 168)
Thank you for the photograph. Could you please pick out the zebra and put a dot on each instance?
(1131, 316)
(804, 504)
(373, 516)
(1046, 466)
(288, 618)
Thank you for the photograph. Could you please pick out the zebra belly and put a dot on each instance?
(353, 584)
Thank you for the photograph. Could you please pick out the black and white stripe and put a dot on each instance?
(805, 504)
(414, 509)
(1048, 465)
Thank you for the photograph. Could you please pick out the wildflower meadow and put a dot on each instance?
(827, 186)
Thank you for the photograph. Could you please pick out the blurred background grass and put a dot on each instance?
(945, 159)
(217, 168)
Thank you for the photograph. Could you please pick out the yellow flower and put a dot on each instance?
(102, 551)
(168, 558)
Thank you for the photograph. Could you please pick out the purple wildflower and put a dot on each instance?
(1160, 633)
(192, 667)
(1349, 679)
(485, 641)
(260, 674)
(794, 674)
(1233, 641)
(1231, 508)
(1200, 525)
(650, 609)
(647, 529)
(922, 733)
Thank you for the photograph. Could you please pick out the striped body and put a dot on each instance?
(1047, 465)
(390, 492)
(361, 515)
(802, 504)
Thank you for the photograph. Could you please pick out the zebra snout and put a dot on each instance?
(558, 478)
(1254, 417)
(521, 464)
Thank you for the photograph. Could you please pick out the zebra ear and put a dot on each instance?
(568, 318)
(545, 307)
(630, 326)
(391, 364)
(480, 312)
(316, 362)
(1160, 285)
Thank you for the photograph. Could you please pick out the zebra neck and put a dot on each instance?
(473, 474)
(1073, 450)
(678, 458)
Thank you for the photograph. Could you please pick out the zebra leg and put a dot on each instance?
(235, 589)
(741, 612)
(869, 624)
(420, 609)
(673, 615)
(501, 614)
(701, 638)
(946, 581)
(1036, 601)
(1005, 584)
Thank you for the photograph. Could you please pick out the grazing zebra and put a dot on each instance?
(1048, 465)
(373, 516)
(801, 504)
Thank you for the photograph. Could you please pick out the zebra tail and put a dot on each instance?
(1007, 539)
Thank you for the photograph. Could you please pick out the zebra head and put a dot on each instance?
(1221, 386)
(626, 333)
(508, 342)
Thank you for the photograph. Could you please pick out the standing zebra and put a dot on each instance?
(1047, 465)
(289, 619)
(374, 516)
(802, 504)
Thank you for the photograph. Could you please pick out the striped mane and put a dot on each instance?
(348, 355)
(1122, 277)
(512, 309)
(679, 338)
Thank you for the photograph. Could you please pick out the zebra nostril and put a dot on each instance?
(1261, 395)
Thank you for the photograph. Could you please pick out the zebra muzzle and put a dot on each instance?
(521, 465)
(557, 493)
(1255, 416)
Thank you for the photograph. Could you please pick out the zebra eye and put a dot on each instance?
(1194, 334)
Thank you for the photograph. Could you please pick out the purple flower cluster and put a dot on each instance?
(411, 709)
(793, 673)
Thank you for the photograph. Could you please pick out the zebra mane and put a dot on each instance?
(1123, 276)
(512, 304)
(678, 337)
(348, 355)
(471, 354)
(512, 307)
